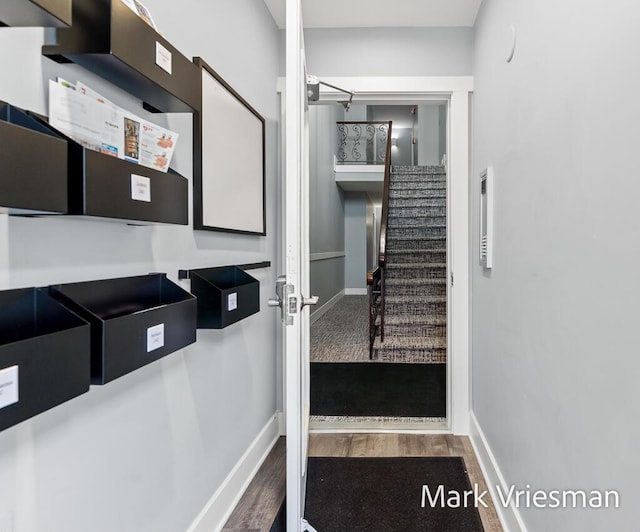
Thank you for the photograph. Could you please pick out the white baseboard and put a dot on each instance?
(282, 424)
(321, 311)
(355, 292)
(216, 512)
(510, 517)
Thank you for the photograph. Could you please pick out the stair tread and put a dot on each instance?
(414, 319)
(422, 298)
(394, 214)
(411, 342)
(417, 250)
(414, 281)
(430, 226)
(411, 265)
(406, 238)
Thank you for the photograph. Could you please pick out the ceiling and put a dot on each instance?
(380, 13)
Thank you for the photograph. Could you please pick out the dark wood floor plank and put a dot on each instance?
(375, 445)
(330, 444)
(260, 503)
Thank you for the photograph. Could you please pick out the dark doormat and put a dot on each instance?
(378, 389)
(385, 495)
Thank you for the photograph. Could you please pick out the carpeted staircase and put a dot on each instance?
(416, 268)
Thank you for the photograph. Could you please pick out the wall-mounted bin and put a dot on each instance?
(107, 38)
(134, 321)
(44, 355)
(33, 164)
(108, 187)
(36, 13)
(225, 295)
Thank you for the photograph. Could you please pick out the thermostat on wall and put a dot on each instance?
(486, 217)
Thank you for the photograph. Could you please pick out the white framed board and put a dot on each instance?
(229, 160)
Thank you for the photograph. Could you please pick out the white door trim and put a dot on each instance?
(456, 91)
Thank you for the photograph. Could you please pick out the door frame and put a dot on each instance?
(455, 90)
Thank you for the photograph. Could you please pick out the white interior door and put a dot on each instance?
(296, 252)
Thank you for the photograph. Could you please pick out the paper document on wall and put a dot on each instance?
(98, 124)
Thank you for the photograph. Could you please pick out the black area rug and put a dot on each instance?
(378, 389)
(385, 495)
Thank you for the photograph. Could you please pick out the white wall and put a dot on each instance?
(555, 348)
(389, 51)
(147, 451)
(326, 208)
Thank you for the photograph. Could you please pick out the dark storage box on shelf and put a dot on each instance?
(36, 13)
(45, 172)
(107, 38)
(134, 321)
(44, 354)
(225, 295)
(105, 186)
(33, 158)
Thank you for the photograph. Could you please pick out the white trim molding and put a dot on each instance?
(219, 507)
(510, 517)
(357, 168)
(321, 311)
(458, 242)
(393, 87)
(326, 255)
(356, 291)
(455, 91)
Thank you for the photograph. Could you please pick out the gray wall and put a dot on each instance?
(554, 337)
(326, 206)
(145, 452)
(389, 51)
(355, 228)
(432, 133)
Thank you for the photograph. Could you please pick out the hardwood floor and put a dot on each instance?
(260, 503)
(259, 506)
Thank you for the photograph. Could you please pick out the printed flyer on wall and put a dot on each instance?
(98, 124)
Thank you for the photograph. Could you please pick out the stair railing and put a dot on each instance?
(376, 276)
(361, 142)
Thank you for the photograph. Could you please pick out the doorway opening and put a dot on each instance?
(399, 382)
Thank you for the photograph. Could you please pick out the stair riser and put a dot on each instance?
(417, 183)
(417, 308)
(413, 290)
(418, 356)
(417, 255)
(416, 190)
(417, 195)
(419, 232)
(415, 330)
(409, 214)
(417, 223)
(416, 203)
(400, 271)
(422, 169)
(403, 246)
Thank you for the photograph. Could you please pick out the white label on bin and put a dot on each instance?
(163, 58)
(140, 188)
(8, 386)
(232, 301)
(155, 337)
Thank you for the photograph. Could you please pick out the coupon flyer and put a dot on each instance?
(98, 124)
